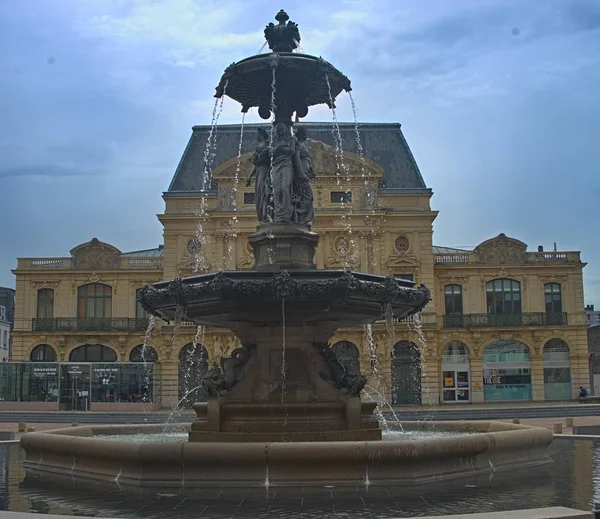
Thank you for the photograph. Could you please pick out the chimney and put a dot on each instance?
(540, 248)
(554, 246)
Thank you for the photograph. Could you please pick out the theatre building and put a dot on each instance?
(505, 323)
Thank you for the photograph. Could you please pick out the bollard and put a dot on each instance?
(516, 421)
(569, 422)
(30, 429)
(22, 427)
(558, 428)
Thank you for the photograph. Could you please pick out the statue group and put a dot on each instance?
(283, 173)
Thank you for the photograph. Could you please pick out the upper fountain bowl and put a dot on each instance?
(283, 81)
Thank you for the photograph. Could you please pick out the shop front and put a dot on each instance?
(506, 372)
(79, 386)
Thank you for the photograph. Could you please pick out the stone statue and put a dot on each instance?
(221, 379)
(261, 159)
(303, 174)
(348, 381)
(233, 366)
(282, 174)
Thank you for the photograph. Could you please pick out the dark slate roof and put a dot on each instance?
(382, 143)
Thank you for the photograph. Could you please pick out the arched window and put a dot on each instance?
(557, 370)
(456, 373)
(94, 300)
(347, 354)
(143, 353)
(553, 296)
(503, 296)
(453, 299)
(406, 374)
(45, 303)
(93, 353)
(506, 371)
(43, 353)
(193, 365)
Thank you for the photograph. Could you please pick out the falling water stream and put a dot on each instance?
(145, 353)
(233, 234)
(351, 254)
(200, 262)
(421, 340)
(365, 173)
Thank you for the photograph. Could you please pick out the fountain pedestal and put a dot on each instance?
(286, 394)
(283, 246)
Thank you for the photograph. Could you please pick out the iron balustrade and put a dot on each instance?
(505, 320)
(90, 324)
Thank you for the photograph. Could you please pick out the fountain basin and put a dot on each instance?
(488, 447)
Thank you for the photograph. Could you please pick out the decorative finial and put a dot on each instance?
(283, 37)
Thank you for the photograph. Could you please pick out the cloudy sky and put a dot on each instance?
(498, 99)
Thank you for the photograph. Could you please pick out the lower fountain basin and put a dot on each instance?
(86, 452)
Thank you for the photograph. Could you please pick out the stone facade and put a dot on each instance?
(381, 230)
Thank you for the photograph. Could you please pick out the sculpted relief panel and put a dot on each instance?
(501, 250)
(95, 255)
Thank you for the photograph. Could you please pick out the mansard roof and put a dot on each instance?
(383, 143)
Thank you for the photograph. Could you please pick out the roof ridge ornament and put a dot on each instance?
(283, 37)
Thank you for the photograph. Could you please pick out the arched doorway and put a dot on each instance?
(506, 371)
(347, 354)
(43, 353)
(456, 376)
(557, 370)
(193, 365)
(406, 374)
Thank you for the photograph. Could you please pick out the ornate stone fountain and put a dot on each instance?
(282, 409)
(285, 383)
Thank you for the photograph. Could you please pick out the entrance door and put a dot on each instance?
(456, 386)
(74, 387)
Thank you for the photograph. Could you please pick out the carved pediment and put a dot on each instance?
(501, 250)
(95, 255)
(325, 161)
(403, 261)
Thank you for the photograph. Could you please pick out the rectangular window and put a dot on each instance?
(553, 298)
(453, 299)
(249, 198)
(340, 197)
(45, 303)
(94, 301)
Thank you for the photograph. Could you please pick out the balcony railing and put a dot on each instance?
(90, 324)
(463, 258)
(505, 320)
(125, 262)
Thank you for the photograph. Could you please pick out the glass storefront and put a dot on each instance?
(557, 370)
(28, 382)
(76, 385)
(506, 371)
